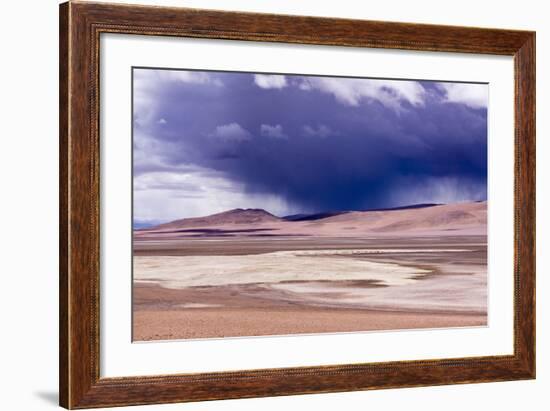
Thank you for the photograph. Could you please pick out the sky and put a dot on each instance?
(206, 142)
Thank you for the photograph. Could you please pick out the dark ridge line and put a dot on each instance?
(320, 216)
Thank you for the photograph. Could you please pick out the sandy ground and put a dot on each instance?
(233, 322)
(222, 287)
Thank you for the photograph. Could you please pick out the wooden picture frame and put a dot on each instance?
(80, 27)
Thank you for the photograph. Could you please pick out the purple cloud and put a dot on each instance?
(314, 143)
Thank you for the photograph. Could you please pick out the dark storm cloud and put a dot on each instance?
(319, 145)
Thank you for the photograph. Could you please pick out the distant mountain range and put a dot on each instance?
(142, 224)
(457, 218)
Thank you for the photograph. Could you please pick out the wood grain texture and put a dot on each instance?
(63, 205)
(80, 27)
(525, 203)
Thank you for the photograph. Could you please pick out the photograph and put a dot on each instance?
(279, 204)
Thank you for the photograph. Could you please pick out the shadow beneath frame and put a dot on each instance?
(51, 397)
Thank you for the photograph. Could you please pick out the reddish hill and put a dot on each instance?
(248, 216)
(448, 217)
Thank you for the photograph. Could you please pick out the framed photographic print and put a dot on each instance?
(257, 205)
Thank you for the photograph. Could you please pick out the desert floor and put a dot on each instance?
(251, 286)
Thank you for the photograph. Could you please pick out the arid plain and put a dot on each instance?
(246, 272)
